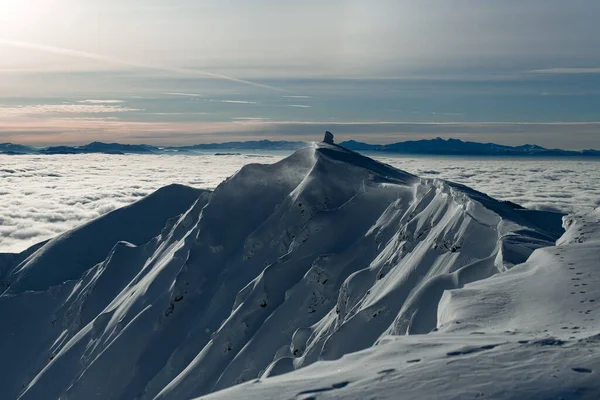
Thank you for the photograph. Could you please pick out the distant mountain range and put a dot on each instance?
(443, 147)
(456, 147)
(249, 145)
(118, 148)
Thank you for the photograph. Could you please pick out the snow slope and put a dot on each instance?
(324, 253)
(528, 333)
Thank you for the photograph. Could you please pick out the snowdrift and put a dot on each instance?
(322, 254)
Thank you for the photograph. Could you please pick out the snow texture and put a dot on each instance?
(528, 333)
(285, 271)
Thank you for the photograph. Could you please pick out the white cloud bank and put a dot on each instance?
(42, 196)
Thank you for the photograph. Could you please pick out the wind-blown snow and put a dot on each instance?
(319, 255)
(42, 197)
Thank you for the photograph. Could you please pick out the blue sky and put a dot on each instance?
(187, 71)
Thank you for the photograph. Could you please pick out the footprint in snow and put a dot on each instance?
(471, 350)
(387, 371)
(549, 342)
(582, 370)
(326, 389)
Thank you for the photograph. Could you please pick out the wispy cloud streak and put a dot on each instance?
(567, 71)
(46, 109)
(117, 61)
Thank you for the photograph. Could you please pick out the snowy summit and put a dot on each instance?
(325, 275)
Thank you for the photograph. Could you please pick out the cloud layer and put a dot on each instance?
(559, 185)
(43, 196)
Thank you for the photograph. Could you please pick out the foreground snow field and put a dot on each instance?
(357, 278)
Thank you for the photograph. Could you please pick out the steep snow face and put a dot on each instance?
(324, 253)
(55, 292)
(528, 333)
(69, 255)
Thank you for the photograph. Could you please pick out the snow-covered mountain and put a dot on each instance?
(322, 254)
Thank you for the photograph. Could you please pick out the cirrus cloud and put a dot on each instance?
(45, 109)
(101, 101)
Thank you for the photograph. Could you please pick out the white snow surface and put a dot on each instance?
(529, 333)
(327, 274)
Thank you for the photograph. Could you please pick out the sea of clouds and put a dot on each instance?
(42, 196)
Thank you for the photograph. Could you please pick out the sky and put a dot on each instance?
(198, 71)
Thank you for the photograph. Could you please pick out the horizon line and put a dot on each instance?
(265, 139)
